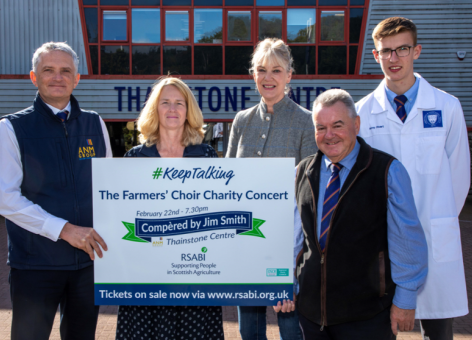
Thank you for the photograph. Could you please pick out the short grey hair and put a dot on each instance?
(55, 46)
(331, 97)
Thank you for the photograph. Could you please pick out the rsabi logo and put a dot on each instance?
(156, 174)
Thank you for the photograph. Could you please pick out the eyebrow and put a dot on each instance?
(388, 49)
(178, 100)
(272, 67)
(62, 68)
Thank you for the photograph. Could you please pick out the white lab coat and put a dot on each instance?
(438, 162)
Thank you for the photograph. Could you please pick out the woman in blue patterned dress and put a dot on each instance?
(171, 126)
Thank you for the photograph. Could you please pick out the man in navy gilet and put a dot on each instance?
(46, 198)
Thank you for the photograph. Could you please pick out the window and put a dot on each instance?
(146, 60)
(270, 24)
(208, 26)
(114, 25)
(239, 25)
(217, 37)
(301, 25)
(177, 26)
(208, 60)
(115, 60)
(146, 25)
(177, 60)
(270, 2)
(332, 26)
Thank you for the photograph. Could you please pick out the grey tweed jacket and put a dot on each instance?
(288, 132)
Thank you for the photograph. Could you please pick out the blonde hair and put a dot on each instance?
(148, 121)
(272, 51)
(393, 26)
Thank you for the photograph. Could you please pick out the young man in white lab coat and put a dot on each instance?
(424, 128)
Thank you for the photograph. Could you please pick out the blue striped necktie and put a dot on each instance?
(330, 201)
(63, 115)
(401, 112)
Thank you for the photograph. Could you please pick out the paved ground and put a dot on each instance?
(107, 319)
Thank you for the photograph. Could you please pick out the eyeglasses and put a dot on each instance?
(402, 51)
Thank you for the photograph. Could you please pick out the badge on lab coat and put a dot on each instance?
(432, 119)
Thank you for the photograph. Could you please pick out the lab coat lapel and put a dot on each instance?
(425, 99)
(382, 105)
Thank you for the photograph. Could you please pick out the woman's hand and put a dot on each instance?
(286, 307)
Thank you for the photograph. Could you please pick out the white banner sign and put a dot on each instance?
(194, 231)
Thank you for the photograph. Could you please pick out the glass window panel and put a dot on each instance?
(238, 59)
(270, 2)
(332, 25)
(332, 60)
(270, 25)
(239, 26)
(114, 2)
(239, 2)
(146, 25)
(304, 59)
(145, 2)
(89, 2)
(357, 2)
(177, 60)
(177, 26)
(208, 26)
(301, 2)
(355, 24)
(332, 2)
(94, 58)
(301, 25)
(208, 2)
(91, 23)
(352, 59)
(146, 60)
(114, 59)
(177, 2)
(114, 25)
(208, 60)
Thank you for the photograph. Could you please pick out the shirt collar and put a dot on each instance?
(348, 161)
(410, 94)
(56, 110)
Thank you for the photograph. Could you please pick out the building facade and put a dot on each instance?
(124, 46)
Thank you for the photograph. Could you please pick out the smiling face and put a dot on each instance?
(270, 81)
(55, 78)
(172, 109)
(335, 130)
(398, 71)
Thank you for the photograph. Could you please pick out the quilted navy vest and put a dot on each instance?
(57, 175)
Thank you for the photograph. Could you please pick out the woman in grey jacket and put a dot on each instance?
(276, 127)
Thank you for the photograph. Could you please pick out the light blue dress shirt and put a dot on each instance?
(411, 95)
(407, 247)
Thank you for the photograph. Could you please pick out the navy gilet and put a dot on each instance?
(57, 175)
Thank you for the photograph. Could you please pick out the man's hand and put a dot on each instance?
(83, 238)
(287, 306)
(403, 318)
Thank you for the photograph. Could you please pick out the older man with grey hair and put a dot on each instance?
(46, 198)
(360, 267)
